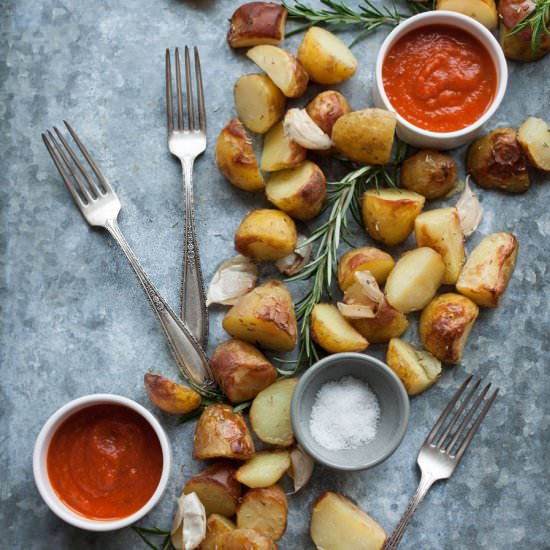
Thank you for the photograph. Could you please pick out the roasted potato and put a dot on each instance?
(280, 152)
(365, 136)
(389, 214)
(534, 138)
(388, 323)
(270, 413)
(241, 370)
(221, 433)
(236, 159)
(440, 229)
(326, 108)
(483, 11)
(170, 397)
(216, 526)
(244, 539)
(266, 234)
(325, 57)
(445, 324)
(264, 469)
(338, 524)
(415, 279)
(257, 23)
(368, 258)
(259, 103)
(333, 332)
(486, 273)
(417, 369)
(282, 67)
(217, 488)
(429, 173)
(300, 191)
(265, 510)
(265, 316)
(496, 161)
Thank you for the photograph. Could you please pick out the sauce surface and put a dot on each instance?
(439, 78)
(105, 462)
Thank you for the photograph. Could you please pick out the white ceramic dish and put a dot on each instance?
(419, 137)
(41, 474)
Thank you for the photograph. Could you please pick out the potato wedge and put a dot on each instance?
(257, 23)
(266, 234)
(483, 11)
(244, 539)
(415, 279)
(236, 159)
(216, 525)
(367, 258)
(365, 136)
(282, 67)
(259, 103)
(300, 191)
(217, 488)
(518, 47)
(487, 271)
(264, 469)
(264, 316)
(338, 524)
(265, 510)
(221, 433)
(280, 152)
(388, 323)
(170, 397)
(445, 324)
(417, 369)
(241, 370)
(389, 214)
(440, 229)
(534, 138)
(270, 413)
(326, 108)
(331, 331)
(325, 57)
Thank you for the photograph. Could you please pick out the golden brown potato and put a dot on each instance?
(338, 524)
(257, 23)
(417, 369)
(264, 316)
(496, 161)
(331, 331)
(300, 191)
(282, 67)
(486, 273)
(266, 234)
(259, 103)
(244, 539)
(534, 138)
(270, 413)
(440, 229)
(368, 258)
(216, 525)
(264, 469)
(241, 370)
(429, 173)
(236, 159)
(483, 11)
(389, 214)
(221, 433)
(170, 397)
(217, 488)
(325, 57)
(445, 324)
(415, 279)
(280, 152)
(326, 108)
(265, 510)
(365, 136)
(518, 48)
(388, 323)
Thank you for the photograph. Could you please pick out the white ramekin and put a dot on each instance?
(419, 137)
(41, 473)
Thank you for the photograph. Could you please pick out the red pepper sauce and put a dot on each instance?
(439, 78)
(105, 462)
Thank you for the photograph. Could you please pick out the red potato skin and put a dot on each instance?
(257, 23)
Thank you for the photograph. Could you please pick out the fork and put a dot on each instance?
(100, 207)
(187, 143)
(439, 456)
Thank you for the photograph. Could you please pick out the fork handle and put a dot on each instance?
(426, 481)
(189, 356)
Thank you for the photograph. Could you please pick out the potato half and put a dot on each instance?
(257, 23)
(264, 469)
(388, 323)
(216, 525)
(280, 152)
(170, 397)
(244, 539)
(367, 258)
(534, 138)
(517, 47)
(326, 108)
(483, 11)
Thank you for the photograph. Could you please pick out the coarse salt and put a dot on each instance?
(345, 414)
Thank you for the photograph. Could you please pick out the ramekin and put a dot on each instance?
(41, 472)
(419, 137)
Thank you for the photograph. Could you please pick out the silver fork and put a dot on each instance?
(100, 206)
(187, 143)
(439, 456)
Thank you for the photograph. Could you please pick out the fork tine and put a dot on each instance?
(189, 86)
(178, 88)
(200, 93)
(169, 112)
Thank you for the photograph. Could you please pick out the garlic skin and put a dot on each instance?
(297, 260)
(362, 300)
(301, 468)
(233, 279)
(189, 525)
(469, 210)
(300, 128)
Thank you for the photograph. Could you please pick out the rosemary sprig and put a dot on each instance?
(538, 21)
(166, 544)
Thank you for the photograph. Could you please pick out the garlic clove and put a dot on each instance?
(194, 521)
(176, 532)
(301, 468)
(469, 210)
(297, 260)
(233, 279)
(300, 128)
(356, 311)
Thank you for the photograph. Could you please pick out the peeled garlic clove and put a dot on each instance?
(233, 279)
(297, 260)
(469, 210)
(300, 128)
(194, 521)
(369, 287)
(301, 468)
(176, 533)
(356, 311)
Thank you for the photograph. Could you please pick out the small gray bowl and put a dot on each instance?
(392, 398)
